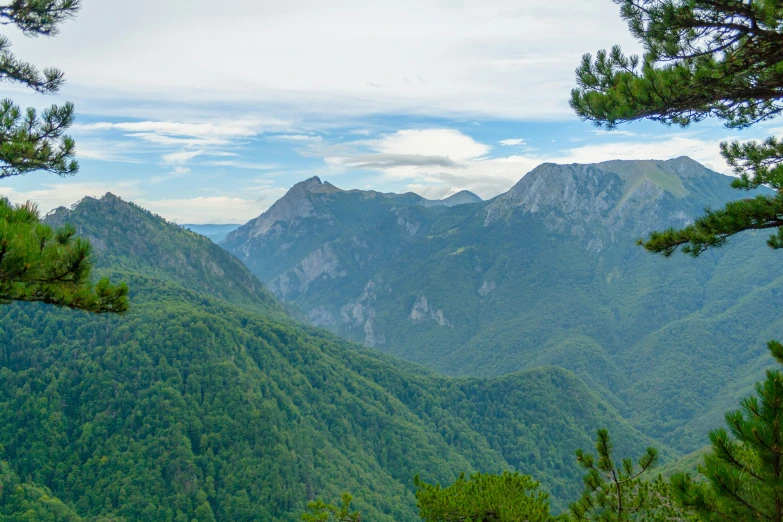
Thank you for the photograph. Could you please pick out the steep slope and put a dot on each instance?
(192, 407)
(549, 273)
(127, 237)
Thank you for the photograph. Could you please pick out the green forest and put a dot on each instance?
(190, 399)
(551, 366)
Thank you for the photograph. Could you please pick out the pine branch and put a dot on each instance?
(714, 228)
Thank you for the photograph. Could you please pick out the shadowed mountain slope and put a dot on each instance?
(547, 273)
(190, 406)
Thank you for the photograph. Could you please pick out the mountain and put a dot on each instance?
(128, 238)
(216, 233)
(546, 274)
(193, 407)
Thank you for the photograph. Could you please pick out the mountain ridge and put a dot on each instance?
(194, 404)
(547, 273)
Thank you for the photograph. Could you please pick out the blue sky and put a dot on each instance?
(209, 117)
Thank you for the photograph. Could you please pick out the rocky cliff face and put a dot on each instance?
(604, 200)
(374, 266)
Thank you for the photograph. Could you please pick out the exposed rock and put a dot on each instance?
(322, 317)
(410, 228)
(320, 262)
(487, 288)
(423, 311)
(295, 205)
(361, 313)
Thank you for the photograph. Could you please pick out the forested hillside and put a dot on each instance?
(191, 407)
(545, 274)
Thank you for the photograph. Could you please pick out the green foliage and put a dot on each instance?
(21, 502)
(36, 262)
(744, 470)
(40, 264)
(29, 142)
(703, 58)
(319, 511)
(191, 407)
(545, 288)
(509, 497)
(613, 492)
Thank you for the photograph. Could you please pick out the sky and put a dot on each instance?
(209, 113)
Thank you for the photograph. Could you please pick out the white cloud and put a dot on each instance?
(447, 143)
(513, 142)
(502, 58)
(298, 137)
(181, 157)
(200, 210)
(211, 130)
(241, 164)
(178, 172)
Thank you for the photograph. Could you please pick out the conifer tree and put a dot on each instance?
(744, 470)
(613, 493)
(721, 58)
(320, 511)
(36, 262)
(509, 497)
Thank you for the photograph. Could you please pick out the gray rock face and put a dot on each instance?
(361, 313)
(294, 206)
(348, 257)
(320, 262)
(562, 193)
(423, 311)
(600, 201)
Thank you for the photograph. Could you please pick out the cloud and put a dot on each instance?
(241, 164)
(498, 58)
(204, 209)
(513, 142)
(298, 137)
(613, 132)
(385, 161)
(181, 157)
(212, 130)
(177, 142)
(448, 143)
(178, 172)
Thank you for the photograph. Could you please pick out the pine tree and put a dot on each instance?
(613, 493)
(36, 262)
(744, 469)
(721, 58)
(509, 497)
(319, 511)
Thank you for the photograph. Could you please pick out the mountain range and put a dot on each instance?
(207, 401)
(546, 274)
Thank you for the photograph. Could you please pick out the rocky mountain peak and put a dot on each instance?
(616, 194)
(313, 185)
(574, 190)
(462, 197)
(294, 205)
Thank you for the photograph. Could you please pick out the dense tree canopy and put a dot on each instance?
(721, 58)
